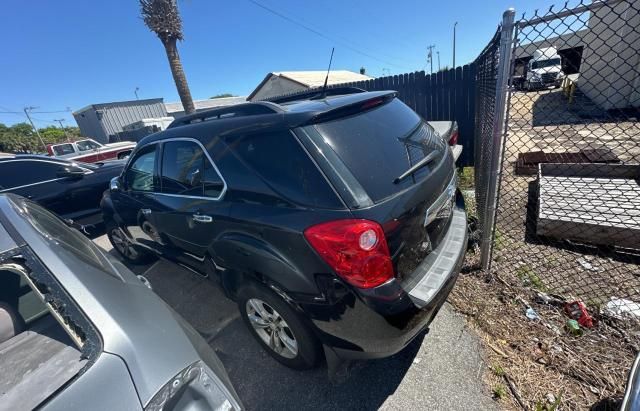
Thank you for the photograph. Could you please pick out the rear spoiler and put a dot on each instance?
(353, 108)
(316, 94)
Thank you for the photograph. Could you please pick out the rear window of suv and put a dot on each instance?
(379, 145)
(283, 164)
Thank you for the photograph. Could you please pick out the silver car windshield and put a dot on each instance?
(63, 239)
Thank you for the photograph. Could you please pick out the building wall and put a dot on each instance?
(104, 121)
(611, 58)
(277, 86)
(90, 126)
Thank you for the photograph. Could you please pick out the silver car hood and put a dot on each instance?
(133, 322)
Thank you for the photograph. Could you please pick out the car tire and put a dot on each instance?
(280, 330)
(122, 244)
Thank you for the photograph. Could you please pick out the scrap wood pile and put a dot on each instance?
(550, 352)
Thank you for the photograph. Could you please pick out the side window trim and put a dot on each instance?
(158, 170)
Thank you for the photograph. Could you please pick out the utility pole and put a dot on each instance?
(454, 44)
(430, 55)
(64, 130)
(26, 111)
(438, 53)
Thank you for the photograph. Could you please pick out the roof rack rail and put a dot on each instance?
(316, 93)
(237, 110)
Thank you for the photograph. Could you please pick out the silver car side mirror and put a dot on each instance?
(114, 184)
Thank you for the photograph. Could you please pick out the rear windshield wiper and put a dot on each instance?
(417, 166)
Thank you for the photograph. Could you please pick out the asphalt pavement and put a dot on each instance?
(439, 371)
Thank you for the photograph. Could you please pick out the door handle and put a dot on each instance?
(145, 211)
(202, 218)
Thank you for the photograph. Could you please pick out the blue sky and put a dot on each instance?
(72, 53)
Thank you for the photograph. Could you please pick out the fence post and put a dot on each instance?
(502, 81)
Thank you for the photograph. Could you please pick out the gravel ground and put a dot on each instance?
(440, 371)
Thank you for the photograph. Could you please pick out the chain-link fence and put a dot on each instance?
(558, 183)
(568, 218)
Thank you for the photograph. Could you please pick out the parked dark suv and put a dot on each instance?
(333, 221)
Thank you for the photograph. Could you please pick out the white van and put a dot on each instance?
(544, 69)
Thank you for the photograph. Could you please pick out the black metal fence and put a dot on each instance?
(447, 95)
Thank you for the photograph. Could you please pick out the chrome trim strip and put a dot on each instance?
(201, 259)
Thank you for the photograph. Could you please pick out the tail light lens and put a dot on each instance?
(356, 249)
(453, 140)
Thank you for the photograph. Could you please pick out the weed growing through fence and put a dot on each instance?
(466, 178)
(529, 277)
(498, 370)
(499, 391)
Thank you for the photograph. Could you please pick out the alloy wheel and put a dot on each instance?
(271, 328)
(123, 244)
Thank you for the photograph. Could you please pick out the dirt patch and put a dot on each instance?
(542, 361)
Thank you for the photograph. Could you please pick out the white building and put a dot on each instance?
(286, 82)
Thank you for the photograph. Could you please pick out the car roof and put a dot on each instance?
(259, 116)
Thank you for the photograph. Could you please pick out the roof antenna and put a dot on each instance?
(324, 88)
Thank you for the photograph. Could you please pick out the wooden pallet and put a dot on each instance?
(592, 203)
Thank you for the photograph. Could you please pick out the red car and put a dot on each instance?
(90, 151)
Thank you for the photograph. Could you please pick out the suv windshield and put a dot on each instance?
(62, 239)
(545, 63)
(379, 145)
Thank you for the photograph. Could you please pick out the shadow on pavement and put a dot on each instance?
(261, 382)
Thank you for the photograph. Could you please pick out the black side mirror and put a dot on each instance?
(74, 172)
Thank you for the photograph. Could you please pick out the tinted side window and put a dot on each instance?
(280, 160)
(182, 168)
(20, 173)
(139, 175)
(186, 170)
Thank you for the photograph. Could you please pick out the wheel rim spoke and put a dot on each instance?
(258, 321)
(289, 343)
(271, 328)
(259, 309)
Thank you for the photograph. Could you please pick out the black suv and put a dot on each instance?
(333, 221)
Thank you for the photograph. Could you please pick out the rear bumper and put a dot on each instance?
(382, 321)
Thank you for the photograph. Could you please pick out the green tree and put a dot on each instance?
(223, 95)
(22, 129)
(163, 18)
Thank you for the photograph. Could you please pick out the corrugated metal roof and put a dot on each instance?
(98, 106)
(206, 104)
(310, 79)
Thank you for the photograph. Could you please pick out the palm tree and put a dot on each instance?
(162, 17)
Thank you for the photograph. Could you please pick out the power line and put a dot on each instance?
(324, 36)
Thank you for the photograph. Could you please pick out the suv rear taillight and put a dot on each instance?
(356, 249)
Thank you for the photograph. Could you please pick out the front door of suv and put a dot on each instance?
(191, 210)
(136, 203)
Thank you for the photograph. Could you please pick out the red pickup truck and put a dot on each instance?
(90, 151)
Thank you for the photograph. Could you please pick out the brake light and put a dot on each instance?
(453, 140)
(356, 249)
